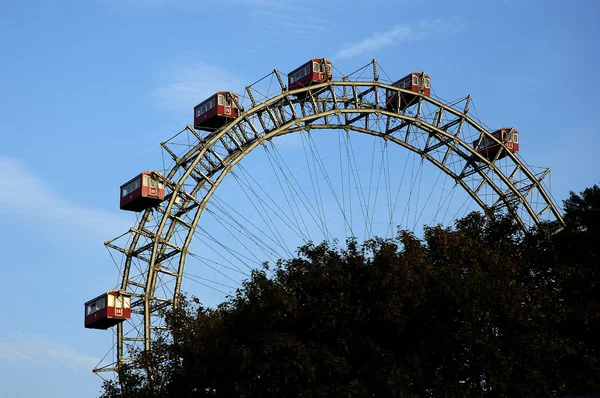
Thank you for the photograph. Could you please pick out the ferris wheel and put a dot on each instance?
(327, 156)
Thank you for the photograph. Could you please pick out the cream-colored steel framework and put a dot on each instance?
(344, 103)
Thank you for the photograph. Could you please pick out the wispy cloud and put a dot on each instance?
(38, 351)
(29, 196)
(286, 20)
(374, 42)
(285, 17)
(397, 34)
(187, 85)
(148, 3)
(140, 4)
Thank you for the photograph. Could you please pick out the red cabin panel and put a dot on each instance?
(491, 150)
(418, 82)
(317, 70)
(141, 192)
(215, 111)
(107, 310)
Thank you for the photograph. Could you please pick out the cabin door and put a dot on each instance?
(509, 140)
(227, 107)
(118, 306)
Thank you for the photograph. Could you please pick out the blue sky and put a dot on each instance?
(88, 90)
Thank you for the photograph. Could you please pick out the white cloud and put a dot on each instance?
(148, 3)
(139, 4)
(41, 352)
(282, 17)
(397, 34)
(286, 21)
(374, 42)
(188, 85)
(32, 198)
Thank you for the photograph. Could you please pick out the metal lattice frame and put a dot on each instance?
(437, 135)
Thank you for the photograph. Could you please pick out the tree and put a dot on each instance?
(473, 310)
(577, 280)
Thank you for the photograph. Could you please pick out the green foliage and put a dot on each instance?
(474, 310)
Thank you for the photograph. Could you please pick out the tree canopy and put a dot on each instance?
(478, 309)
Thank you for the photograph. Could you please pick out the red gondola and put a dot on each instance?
(107, 310)
(489, 149)
(419, 82)
(142, 192)
(215, 111)
(317, 70)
